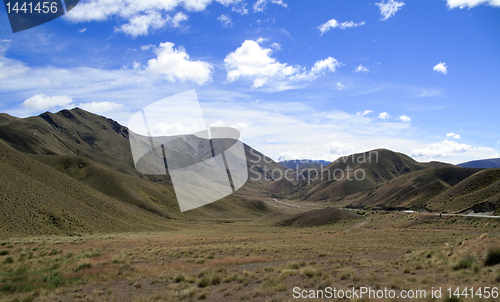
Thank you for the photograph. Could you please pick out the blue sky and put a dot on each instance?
(299, 79)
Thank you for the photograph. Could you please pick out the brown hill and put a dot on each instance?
(479, 193)
(412, 190)
(356, 173)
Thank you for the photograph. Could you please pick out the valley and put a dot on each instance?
(80, 223)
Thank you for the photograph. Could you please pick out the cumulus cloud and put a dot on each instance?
(339, 148)
(240, 126)
(250, 60)
(404, 119)
(366, 112)
(260, 5)
(471, 3)
(455, 136)
(362, 69)
(225, 21)
(141, 24)
(384, 116)
(82, 30)
(389, 8)
(340, 86)
(330, 24)
(175, 65)
(101, 107)
(442, 149)
(44, 102)
(441, 67)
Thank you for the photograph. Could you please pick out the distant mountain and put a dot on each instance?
(483, 163)
(297, 164)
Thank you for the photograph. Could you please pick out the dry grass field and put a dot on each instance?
(231, 260)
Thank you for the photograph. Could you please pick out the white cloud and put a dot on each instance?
(140, 15)
(340, 86)
(389, 9)
(288, 155)
(101, 107)
(323, 28)
(82, 30)
(404, 119)
(175, 65)
(442, 149)
(471, 3)
(250, 60)
(225, 21)
(275, 46)
(147, 47)
(241, 9)
(362, 69)
(329, 64)
(339, 148)
(366, 112)
(441, 67)
(177, 19)
(217, 124)
(260, 5)
(384, 116)
(141, 24)
(240, 126)
(455, 136)
(43, 102)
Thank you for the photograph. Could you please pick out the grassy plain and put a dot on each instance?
(254, 260)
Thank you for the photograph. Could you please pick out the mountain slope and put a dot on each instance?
(356, 173)
(412, 190)
(479, 193)
(37, 199)
(484, 163)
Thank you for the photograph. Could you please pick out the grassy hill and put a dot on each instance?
(413, 190)
(479, 193)
(356, 173)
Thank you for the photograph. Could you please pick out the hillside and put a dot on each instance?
(77, 171)
(356, 173)
(478, 193)
(483, 163)
(412, 190)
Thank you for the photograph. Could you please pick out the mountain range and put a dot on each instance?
(483, 163)
(72, 172)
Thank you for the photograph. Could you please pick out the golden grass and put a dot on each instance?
(252, 262)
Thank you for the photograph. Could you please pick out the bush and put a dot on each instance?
(492, 257)
(83, 266)
(179, 278)
(203, 282)
(465, 263)
(4, 252)
(8, 260)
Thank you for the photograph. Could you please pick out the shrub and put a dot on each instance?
(4, 252)
(83, 266)
(465, 263)
(8, 260)
(203, 282)
(179, 278)
(492, 257)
